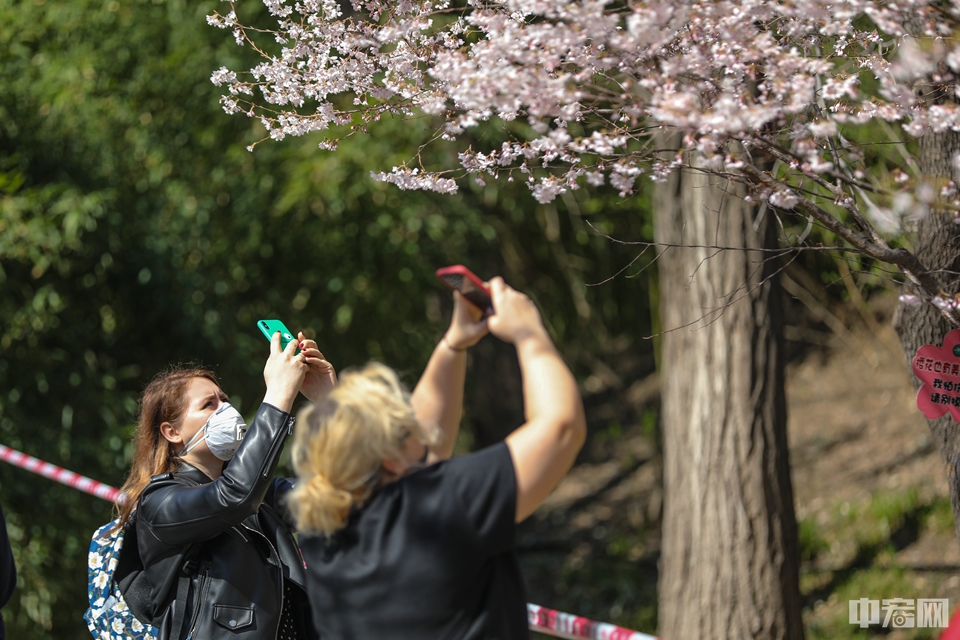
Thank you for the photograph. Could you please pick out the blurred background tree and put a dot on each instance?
(136, 231)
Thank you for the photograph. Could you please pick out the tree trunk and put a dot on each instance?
(730, 560)
(937, 246)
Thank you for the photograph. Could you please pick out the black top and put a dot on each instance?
(430, 556)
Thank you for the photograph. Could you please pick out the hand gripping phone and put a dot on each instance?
(461, 279)
(270, 327)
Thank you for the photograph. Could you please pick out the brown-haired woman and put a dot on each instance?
(225, 526)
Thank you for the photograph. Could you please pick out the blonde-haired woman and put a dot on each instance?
(400, 540)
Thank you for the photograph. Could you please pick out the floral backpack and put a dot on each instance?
(117, 587)
(109, 617)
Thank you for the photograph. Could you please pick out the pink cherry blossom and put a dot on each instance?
(721, 72)
(787, 96)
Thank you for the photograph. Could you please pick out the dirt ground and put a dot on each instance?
(855, 430)
(857, 439)
(859, 449)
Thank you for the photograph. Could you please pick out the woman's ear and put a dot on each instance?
(394, 467)
(171, 433)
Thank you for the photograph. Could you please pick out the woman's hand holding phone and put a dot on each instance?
(283, 373)
(321, 377)
(471, 304)
(517, 317)
(467, 326)
(459, 278)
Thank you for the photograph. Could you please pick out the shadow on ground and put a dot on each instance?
(871, 498)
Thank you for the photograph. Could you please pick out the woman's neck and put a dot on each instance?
(213, 469)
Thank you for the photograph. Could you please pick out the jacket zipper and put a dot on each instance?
(278, 443)
(203, 592)
(236, 532)
(303, 560)
(279, 572)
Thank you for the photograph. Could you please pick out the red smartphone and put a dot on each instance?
(461, 279)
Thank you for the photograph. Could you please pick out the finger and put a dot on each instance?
(472, 311)
(304, 340)
(275, 343)
(459, 302)
(465, 311)
(291, 347)
(498, 289)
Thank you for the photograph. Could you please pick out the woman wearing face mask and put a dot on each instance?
(206, 505)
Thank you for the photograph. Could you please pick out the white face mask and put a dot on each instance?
(224, 431)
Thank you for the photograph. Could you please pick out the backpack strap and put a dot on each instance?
(187, 569)
(130, 577)
(183, 590)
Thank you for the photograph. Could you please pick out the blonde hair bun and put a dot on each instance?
(318, 502)
(340, 444)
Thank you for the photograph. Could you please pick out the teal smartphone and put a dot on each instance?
(270, 327)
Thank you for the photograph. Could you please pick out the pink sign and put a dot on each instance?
(938, 368)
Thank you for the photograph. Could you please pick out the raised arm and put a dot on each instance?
(438, 397)
(545, 446)
(178, 514)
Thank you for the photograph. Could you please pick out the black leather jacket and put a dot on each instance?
(239, 533)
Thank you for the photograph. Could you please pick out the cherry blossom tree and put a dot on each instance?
(840, 114)
(801, 100)
(582, 89)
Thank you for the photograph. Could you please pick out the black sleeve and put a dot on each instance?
(8, 570)
(484, 484)
(177, 514)
(278, 497)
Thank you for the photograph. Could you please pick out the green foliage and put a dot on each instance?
(812, 542)
(831, 619)
(852, 553)
(136, 231)
(890, 510)
(611, 586)
(941, 516)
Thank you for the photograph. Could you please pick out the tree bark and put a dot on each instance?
(730, 559)
(937, 246)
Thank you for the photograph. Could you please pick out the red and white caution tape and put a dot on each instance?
(58, 474)
(571, 627)
(540, 619)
